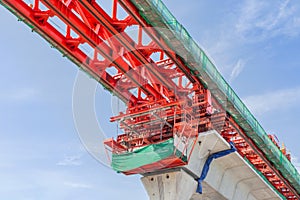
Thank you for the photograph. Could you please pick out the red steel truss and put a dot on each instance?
(163, 97)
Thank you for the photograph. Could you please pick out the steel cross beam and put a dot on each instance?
(95, 15)
(88, 34)
(80, 23)
(132, 10)
(38, 21)
(99, 15)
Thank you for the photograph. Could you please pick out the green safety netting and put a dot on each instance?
(178, 39)
(145, 155)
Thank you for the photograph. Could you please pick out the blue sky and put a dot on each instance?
(255, 45)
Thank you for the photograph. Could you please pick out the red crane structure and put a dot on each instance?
(172, 90)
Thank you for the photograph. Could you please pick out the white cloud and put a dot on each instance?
(296, 163)
(272, 101)
(70, 161)
(251, 22)
(249, 12)
(237, 69)
(78, 185)
(260, 20)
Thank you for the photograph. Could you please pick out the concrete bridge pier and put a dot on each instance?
(229, 177)
(170, 185)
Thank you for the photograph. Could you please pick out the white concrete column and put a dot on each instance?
(170, 185)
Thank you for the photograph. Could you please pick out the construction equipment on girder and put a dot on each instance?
(172, 90)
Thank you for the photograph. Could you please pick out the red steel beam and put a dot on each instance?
(93, 8)
(132, 10)
(38, 21)
(88, 34)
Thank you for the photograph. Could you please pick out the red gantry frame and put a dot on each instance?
(163, 98)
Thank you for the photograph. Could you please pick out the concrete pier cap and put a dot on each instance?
(229, 177)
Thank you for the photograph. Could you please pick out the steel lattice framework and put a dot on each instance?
(142, 70)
